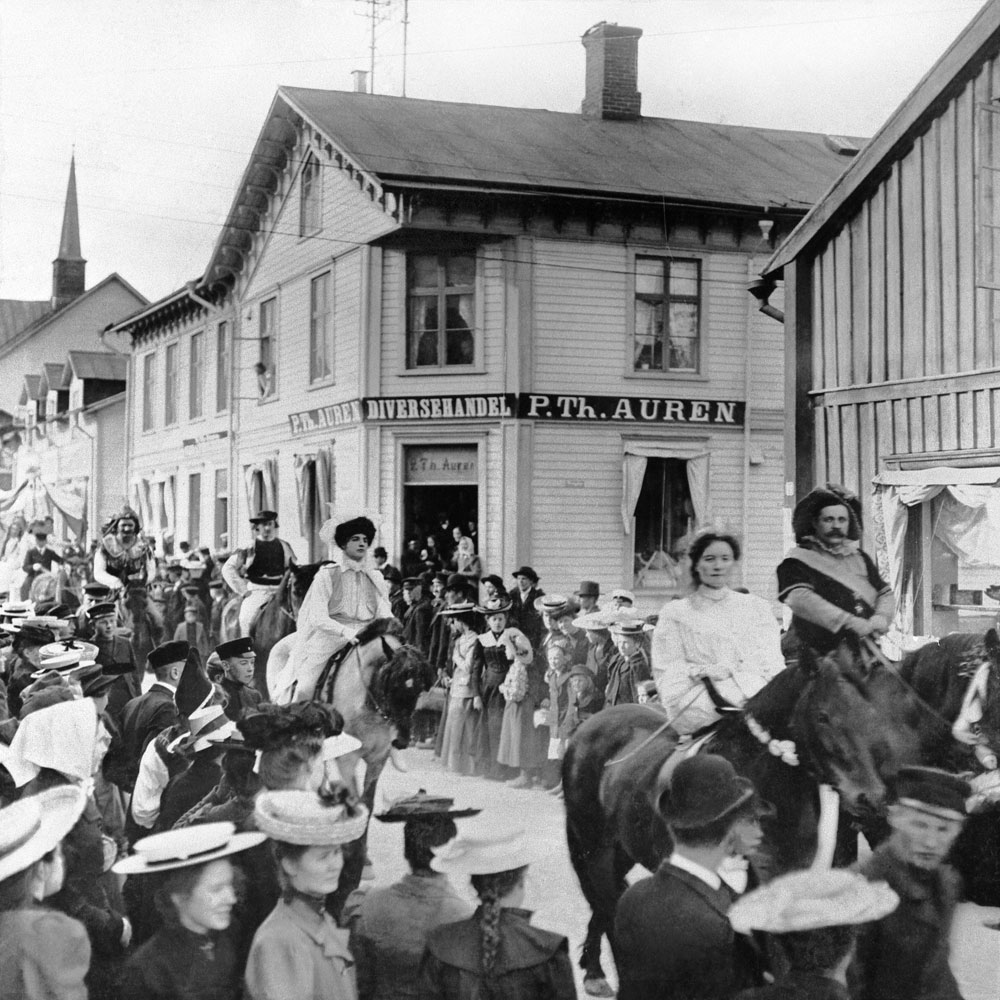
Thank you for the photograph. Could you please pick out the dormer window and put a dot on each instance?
(310, 198)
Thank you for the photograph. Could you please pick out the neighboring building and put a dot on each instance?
(891, 305)
(36, 339)
(533, 322)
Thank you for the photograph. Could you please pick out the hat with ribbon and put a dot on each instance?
(630, 628)
(621, 594)
(263, 516)
(272, 726)
(34, 825)
(932, 791)
(190, 845)
(594, 621)
(526, 571)
(551, 604)
(67, 657)
(702, 789)
(308, 818)
(18, 624)
(484, 850)
(458, 608)
(243, 646)
(423, 806)
(810, 899)
(495, 606)
(831, 495)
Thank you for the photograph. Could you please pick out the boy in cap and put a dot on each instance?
(192, 631)
(673, 936)
(115, 658)
(238, 659)
(905, 954)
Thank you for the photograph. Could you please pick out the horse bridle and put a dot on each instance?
(388, 652)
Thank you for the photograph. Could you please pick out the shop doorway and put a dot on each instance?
(440, 493)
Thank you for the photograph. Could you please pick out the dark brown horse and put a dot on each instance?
(139, 621)
(610, 774)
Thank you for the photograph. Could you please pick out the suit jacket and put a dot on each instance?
(143, 718)
(905, 954)
(524, 615)
(675, 941)
(45, 559)
(417, 621)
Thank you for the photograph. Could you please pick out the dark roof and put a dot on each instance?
(402, 138)
(980, 40)
(51, 376)
(31, 386)
(98, 365)
(18, 314)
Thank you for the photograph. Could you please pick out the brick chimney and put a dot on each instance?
(612, 73)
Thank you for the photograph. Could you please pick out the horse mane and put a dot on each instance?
(378, 628)
(398, 683)
(303, 576)
(772, 706)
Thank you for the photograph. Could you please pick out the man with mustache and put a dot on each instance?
(830, 584)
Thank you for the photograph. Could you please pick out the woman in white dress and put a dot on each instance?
(722, 636)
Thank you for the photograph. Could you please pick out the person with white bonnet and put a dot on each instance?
(342, 599)
(814, 916)
(717, 647)
(43, 953)
(299, 951)
(194, 954)
(495, 952)
(389, 925)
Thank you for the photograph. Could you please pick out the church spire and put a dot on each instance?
(69, 268)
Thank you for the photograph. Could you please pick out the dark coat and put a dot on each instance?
(46, 560)
(176, 963)
(524, 616)
(624, 677)
(531, 963)
(187, 789)
(242, 698)
(417, 621)
(675, 941)
(905, 954)
(798, 986)
(143, 719)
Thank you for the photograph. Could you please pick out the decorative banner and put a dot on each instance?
(523, 406)
(441, 465)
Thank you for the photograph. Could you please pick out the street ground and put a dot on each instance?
(553, 892)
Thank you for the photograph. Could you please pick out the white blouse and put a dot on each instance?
(731, 638)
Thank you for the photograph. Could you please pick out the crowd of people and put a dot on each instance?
(166, 832)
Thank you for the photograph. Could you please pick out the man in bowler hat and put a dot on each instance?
(673, 936)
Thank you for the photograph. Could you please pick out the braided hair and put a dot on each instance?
(491, 889)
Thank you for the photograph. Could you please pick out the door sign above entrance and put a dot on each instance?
(441, 464)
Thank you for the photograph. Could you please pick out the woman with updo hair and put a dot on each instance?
(496, 952)
(717, 647)
(460, 739)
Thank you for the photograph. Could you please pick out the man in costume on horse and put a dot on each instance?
(125, 561)
(256, 571)
(829, 583)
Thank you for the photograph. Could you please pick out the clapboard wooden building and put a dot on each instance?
(533, 323)
(892, 323)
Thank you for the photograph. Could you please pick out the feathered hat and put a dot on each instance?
(273, 726)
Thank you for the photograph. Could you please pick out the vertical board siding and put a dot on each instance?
(893, 279)
(842, 305)
(931, 263)
(860, 277)
(911, 263)
(949, 241)
(965, 228)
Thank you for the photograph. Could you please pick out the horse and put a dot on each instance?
(821, 727)
(144, 632)
(53, 587)
(374, 685)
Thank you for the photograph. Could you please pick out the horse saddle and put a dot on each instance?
(687, 747)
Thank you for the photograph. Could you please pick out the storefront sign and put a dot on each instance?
(631, 409)
(441, 407)
(442, 465)
(205, 439)
(325, 417)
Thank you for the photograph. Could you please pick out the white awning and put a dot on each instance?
(940, 475)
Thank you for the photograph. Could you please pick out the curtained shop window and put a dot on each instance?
(441, 310)
(320, 329)
(314, 489)
(667, 315)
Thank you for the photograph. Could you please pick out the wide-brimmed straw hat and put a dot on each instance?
(305, 818)
(808, 900)
(424, 806)
(483, 851)
(33, 826)
(594, 621)
(495, 606)
(459, 608)
(551, 603)
(190, 845)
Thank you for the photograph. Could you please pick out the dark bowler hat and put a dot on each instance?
(235, 647)
(933, 791)
(175, 651)
(588, 588)
(263, 516)
(703, 789)
(526, 571)
(106, 609)
(456, 581)
(495, 580)
(423, 806)
(413, 581)
(96, 590)
(94, 681)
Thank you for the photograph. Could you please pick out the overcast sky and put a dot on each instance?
(163, 99)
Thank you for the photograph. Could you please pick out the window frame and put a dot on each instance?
(223, 363)
(196, 375)
(310, 196)
(220, 508)
(194, 509)
(268, 305)
(170, 386)
(149, 392)
(325, 377)
(630, 370)
(442, 291)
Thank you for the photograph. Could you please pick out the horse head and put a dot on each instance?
(301, 580)
(839, 734)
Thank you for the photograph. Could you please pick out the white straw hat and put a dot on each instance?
(305, 818)
(483, 851)
(33, 826)
(190, 845)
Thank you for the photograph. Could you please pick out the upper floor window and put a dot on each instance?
(170, 387)
(667, 315)
(267, 375)
(148, 387)
(441, 295)
(310, 198)
(221, 367)
(196, 376)
(320, 339)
